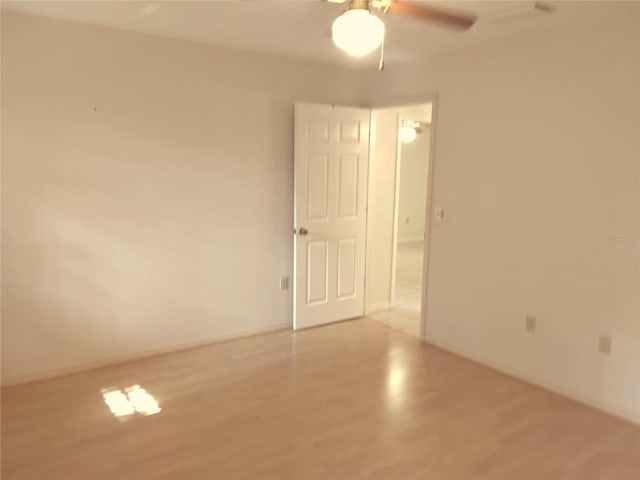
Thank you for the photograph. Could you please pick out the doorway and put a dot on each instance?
(398, 228)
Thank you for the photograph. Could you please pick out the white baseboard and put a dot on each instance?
(58, 372)
(616, 412)
(376, 307)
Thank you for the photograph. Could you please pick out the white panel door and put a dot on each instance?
(331, 164)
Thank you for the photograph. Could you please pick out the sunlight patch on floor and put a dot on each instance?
(133, 399)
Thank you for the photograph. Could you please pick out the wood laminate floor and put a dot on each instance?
(345, 401)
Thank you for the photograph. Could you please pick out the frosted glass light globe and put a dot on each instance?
(407, 134)
(358, 32)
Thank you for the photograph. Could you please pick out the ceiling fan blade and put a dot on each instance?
(429, 14)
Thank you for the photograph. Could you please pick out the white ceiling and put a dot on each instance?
(298, 28)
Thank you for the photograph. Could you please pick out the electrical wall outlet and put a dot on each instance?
(530, 323)
(284, 283)
(441, 214)
(604, 345)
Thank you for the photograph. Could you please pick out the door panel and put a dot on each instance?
(347, 267)
(331, 166)
(318, 187)
(347, 186)
(317, 264)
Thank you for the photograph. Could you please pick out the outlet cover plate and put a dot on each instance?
(530, 323)
(604, 345)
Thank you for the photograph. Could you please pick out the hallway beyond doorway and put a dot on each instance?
(404, 313)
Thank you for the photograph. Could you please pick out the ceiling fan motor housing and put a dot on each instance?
(359, 5)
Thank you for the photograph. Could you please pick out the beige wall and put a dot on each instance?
(382, 174)
(146, 191)
(537, 160)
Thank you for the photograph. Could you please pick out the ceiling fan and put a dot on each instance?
(359, 31)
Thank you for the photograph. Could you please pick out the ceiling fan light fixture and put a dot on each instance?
(408, 130)
(358, 32)
(407, 134)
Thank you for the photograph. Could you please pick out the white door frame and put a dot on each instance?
(396, 213)
(399, 103)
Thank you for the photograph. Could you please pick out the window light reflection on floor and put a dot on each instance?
(118, 403)
(134, 399)
(143, 402)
